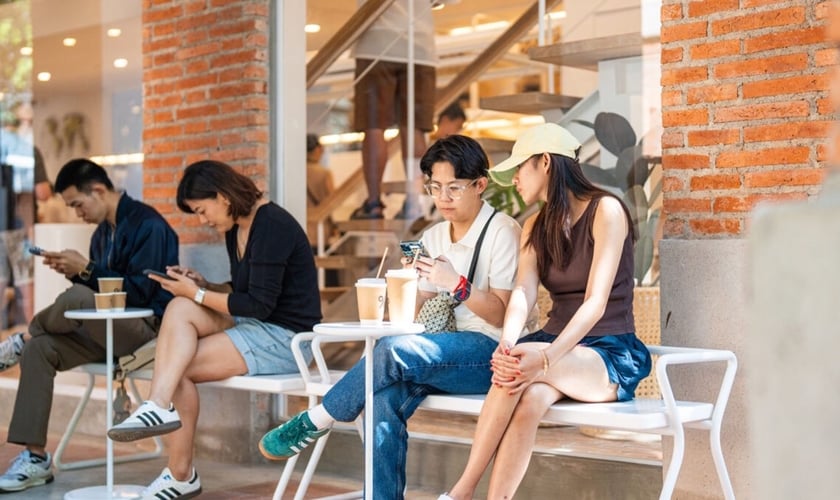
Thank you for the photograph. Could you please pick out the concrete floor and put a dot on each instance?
(219, 481)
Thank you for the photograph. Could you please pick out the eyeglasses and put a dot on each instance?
(454, 191)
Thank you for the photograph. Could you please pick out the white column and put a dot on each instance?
(288, 107)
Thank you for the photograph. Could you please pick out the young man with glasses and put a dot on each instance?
(413, 366)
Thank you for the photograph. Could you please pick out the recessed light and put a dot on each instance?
(69, 42)
(114, 32)
(44, 76)
(120, 62)
(26, 51)
(312, 28)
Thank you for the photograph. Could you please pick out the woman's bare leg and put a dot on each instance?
(184, 323)
(216, 358)
(492, 424)
(581, 375)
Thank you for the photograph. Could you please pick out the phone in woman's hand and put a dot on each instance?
(158, 274)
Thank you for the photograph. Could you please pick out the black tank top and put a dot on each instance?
(568, 287)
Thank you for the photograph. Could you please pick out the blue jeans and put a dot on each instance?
(407, 369)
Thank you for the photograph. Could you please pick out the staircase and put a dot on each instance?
(368, 238)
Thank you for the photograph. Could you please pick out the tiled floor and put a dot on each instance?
(219, 481)
(236, 481)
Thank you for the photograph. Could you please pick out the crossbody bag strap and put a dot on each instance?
(471, 274)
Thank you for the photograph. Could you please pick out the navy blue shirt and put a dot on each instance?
(276, 280)
(142, 239)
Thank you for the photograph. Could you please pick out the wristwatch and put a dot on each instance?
(199, 295)
(86, 272)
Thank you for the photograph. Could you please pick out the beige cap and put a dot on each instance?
(545, 138)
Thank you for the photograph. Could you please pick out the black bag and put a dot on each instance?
(438, 313)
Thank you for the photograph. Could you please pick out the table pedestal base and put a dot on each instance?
(101, 492)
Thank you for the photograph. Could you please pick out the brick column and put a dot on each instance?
(205, 91)
(745, 112)
(745, 109)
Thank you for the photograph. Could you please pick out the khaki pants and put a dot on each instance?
(60, 344)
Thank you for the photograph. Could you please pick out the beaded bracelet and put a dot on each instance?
(462, 291)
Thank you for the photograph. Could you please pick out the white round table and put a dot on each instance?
(109, 490)
(369, 333)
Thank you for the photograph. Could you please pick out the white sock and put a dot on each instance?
(320, 417)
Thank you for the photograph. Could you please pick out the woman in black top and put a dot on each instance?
(212, 331)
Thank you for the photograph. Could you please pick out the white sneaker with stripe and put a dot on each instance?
(166, 487)
(147, 421)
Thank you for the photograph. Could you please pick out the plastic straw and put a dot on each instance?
(382, 262)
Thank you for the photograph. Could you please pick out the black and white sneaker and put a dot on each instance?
(166, 487)
(27, 470)
(148, 420)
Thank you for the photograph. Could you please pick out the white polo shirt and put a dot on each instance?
(496, 266)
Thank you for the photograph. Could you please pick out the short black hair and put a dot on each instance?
(453, 112)
(81, 173)
(464, 153)
(312, 142)
(206, 179)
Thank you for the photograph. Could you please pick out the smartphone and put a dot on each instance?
(158, 274)
(37, 251)
(411, 247)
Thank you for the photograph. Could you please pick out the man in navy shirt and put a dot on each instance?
(130, 237)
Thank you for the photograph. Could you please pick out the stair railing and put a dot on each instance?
(344, 38)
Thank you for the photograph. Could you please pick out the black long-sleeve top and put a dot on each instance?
(276, 280)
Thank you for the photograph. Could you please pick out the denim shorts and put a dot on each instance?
(626, 357)
(266, 347)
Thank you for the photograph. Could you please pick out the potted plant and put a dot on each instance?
(629, 179)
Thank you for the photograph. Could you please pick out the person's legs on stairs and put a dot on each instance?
(374, 160)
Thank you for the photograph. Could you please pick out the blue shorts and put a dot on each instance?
(626, 357)
(266, 347)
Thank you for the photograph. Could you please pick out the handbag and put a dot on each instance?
(438, 313)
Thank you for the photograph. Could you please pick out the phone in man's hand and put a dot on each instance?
(410, 248)
(158, 274)
(37, 251)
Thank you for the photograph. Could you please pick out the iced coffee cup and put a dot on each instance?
(402, 295)
(108, 285)
(104, 301)
(370, 296)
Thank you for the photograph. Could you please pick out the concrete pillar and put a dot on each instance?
(794, 317)
(703, 300)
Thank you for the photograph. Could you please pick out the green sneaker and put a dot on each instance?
(290, 438)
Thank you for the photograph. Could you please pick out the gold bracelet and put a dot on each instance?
(546, 364)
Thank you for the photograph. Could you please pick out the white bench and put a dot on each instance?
(666, 416)
(282, 385)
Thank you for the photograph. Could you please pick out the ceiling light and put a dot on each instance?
(114, 32)
(69, 42)
(120, 62)
(438, 5)
(26, 51)
(312, 28)
(44, 76)
(560, 14)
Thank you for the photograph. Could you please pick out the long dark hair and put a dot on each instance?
(207, 179)
(551, 236)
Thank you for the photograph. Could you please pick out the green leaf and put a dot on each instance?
(614, 132)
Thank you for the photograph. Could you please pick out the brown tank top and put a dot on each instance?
(568, 287)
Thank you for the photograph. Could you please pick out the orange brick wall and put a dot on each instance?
(205, 95)
(745, 109)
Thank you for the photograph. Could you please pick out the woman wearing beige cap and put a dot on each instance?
(580, 247)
